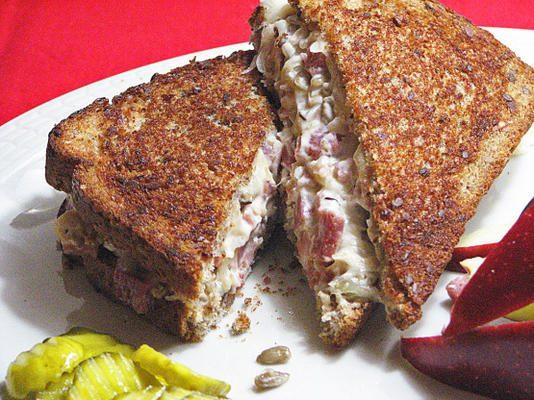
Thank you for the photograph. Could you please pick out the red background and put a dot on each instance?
(48, 48)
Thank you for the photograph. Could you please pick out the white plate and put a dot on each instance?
(38, 299)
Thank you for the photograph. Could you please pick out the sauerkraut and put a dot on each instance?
(325, 204)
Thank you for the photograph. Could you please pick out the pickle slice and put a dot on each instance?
(177, 393)
(95, 343)
(46, 362)
(149, 393)
(57, 390)
(174, 374)
(105, 376)
(163, 393)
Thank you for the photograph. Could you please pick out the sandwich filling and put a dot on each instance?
(252, 207)
(223, 274)
(323, 171)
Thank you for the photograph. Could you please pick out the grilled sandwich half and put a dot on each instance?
(398, 115)
(170, 189)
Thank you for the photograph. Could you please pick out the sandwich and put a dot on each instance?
(398, 115)
(170, 190)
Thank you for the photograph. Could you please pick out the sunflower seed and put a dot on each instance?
(397, 202)
(397, 21)
(468, 31)
(270, 379)
(274, 355)
(423, 171)
(510, 102)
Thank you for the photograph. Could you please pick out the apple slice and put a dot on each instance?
(503, 283)
(477, 244)
(471, 265)
(460, 254)
(523, 314)
(495, 361)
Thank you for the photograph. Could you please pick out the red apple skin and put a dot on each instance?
(494, 361)
(463, 253)
(454, 266)
(502, 284)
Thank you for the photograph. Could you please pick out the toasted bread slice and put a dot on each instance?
(436, 106)
(174, 182)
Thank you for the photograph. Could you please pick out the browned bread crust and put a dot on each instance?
(439, 105)
(341, 323)
(170, 316)
(154, 171)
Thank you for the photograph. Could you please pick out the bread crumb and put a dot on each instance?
(241, 324)
(252, 304)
